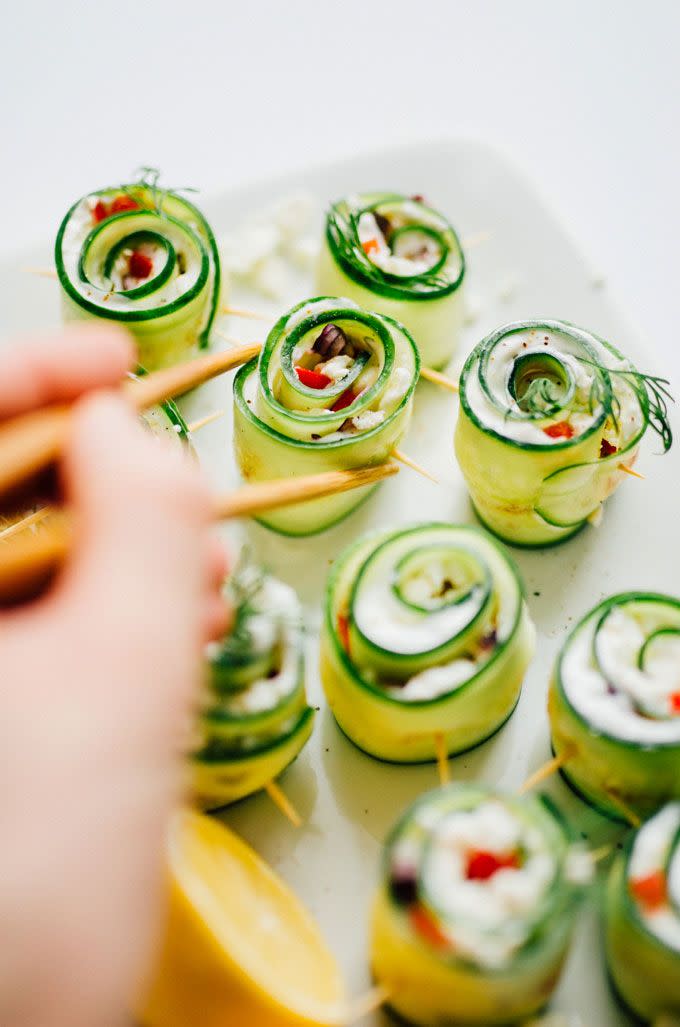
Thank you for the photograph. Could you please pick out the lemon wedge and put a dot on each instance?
(239, 948)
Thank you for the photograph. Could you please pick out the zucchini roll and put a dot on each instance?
(643, 919)
(475, 911)
(614, 704)
(332, 390)
(396, 255)
(549, 414)
(145, 258)
(256, 718)
(426, 638)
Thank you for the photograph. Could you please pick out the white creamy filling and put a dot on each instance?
(487, 920)
(587, 688)
(535, 340)
(383, 257)
(650, 855)
(79, 226)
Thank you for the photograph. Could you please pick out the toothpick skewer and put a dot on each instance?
(283, 803)
(408, 462)
(437, 378)
(626, 812)
(26, 522)
(629, 470)
(547, 770)
(29, 560)
(253, 315)
(203, 421)
(470, 241)
(42, 272)
(601, 852)
(442, 758)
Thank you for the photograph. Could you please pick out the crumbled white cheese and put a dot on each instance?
(368, 419)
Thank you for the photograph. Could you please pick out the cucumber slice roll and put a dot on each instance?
(549, 414)
(144, 258)
(475, 910)
(426, 639)
(642, 919)
(332, 390)
(256, 718)
(395, 254)
(614, 704)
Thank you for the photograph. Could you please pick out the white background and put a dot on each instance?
(585, 95)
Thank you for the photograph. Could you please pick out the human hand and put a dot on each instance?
(98, 681)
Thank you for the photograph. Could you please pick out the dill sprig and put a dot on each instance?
(541, 398)
(654, 393)
(245, 584)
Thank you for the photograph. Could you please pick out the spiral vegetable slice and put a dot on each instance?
(642, 919)
(426, 636)
(549, 415)
(256, 718)
(332, 389)
(238, 947)
(475, 909)
(614, 704)
(397, 255)
(145, 258)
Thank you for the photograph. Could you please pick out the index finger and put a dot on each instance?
(59, 368)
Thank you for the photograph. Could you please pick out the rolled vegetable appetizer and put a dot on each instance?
(395, 254)
(643, 918)
(425, 641)
(144, 258)
(332, 390)
(549, 415)
(614, 705)
(256, 718)
(475, 911)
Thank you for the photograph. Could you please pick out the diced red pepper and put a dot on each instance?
(650, 891)
(343, 631)
(483, 865)
(370, 246)
(140, 264)
(423, 924)
(561, 430)
(675, 702)
(345, 400)
(122, 202)
(313, 379)
(606, 448)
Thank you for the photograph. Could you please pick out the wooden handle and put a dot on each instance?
(28, 561)
(33, 441)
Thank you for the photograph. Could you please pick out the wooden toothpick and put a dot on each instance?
(41, 272)
(442, 758)
(408, 462)
(470, 241)
(629, 470)
(283, 803)
(547, 770)
(26, 522)
(437, 378)
(202, 421)
(624, 809)
(253, 315)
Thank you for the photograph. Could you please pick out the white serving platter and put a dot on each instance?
(528, 267)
